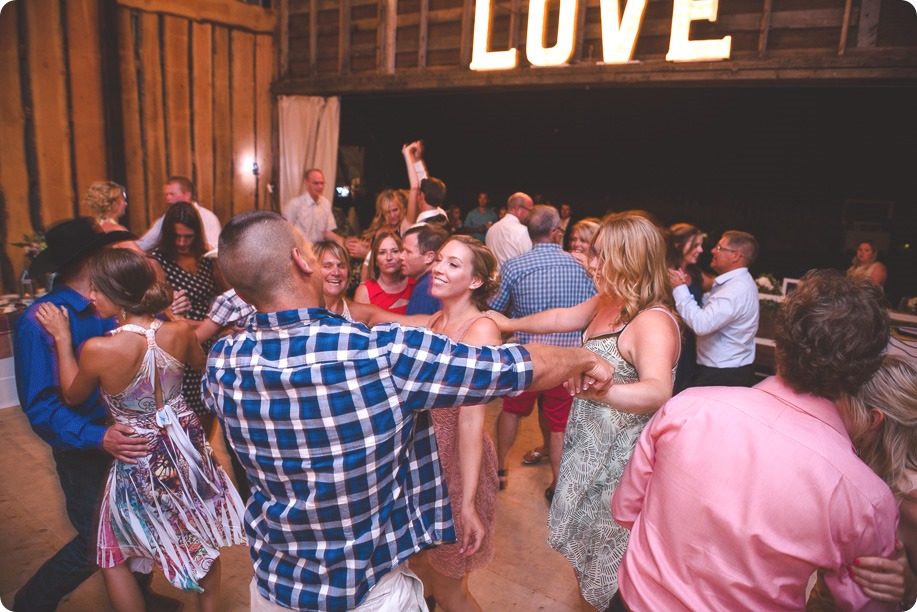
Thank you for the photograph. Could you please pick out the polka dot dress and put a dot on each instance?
(201, 289)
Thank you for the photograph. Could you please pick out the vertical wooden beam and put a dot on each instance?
(468, 31)
(765, 27)
(88, 125)
(222, 125)
(152, 128)
(202, 109)
(50, 112)
(385, 36)
(14, 176)
(113, 112)
(515, 17)
(176, 81)
(344, 38)
(283, 17)
(264, 128)
(243, 120)
(868, 24)
(845, 28)
(580, 31)
(138, 204)
(424, 26)
(313, 36)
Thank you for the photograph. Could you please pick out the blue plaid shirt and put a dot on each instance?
(329, 420)
(543, 278)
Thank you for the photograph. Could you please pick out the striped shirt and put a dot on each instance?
(329, 420)
(545, 277)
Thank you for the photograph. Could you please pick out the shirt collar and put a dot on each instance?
(72, 298)
(546, 245)
(725, 276)
(290, 318)
(817, 407)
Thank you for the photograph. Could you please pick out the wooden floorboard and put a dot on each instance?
(525, 575)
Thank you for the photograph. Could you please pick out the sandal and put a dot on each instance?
(502, 478)
(536, 455)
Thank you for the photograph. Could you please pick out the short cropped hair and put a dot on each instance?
(830, 334)
(433, 190)
(429, 237)
(744, 243)
(542, 221)
(184, 182)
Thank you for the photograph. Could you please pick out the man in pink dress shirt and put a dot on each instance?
(735, 496)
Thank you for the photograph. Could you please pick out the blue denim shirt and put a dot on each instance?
(38, 379)
(422, 302)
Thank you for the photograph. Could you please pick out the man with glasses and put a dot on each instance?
(728, 321)
(508, 237)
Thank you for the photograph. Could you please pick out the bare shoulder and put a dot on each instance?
(659, 319)
(483, 331)
(175, 337)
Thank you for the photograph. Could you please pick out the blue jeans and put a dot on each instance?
(82, 477)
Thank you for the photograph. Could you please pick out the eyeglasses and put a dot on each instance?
(722, 248)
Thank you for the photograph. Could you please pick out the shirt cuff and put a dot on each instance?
(94, 435)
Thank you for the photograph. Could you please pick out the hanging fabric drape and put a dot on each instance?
(308, 139)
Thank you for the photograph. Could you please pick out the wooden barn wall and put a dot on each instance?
(132, 91)
(342, 46)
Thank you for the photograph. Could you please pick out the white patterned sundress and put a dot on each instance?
(598, 443)
(175, 507)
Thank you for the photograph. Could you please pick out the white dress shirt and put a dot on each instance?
(728, 321)
(311, 218)
(508, 238)
(211, 224)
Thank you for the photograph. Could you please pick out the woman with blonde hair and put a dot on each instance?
(581, 235)
(107, 202)
(881, 419)
(630, 323)
(865, 264)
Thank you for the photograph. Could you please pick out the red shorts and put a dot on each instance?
(556, 403)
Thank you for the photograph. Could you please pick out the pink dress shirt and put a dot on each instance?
(735, 496)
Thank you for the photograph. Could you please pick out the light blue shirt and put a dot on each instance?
(728, 321)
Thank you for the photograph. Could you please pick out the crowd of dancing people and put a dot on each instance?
(323, 398)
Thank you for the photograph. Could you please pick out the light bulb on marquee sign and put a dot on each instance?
(619, 34)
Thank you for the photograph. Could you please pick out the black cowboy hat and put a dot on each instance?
(69, 240)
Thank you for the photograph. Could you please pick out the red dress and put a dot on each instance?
(392, 302)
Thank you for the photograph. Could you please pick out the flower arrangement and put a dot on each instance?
(767, 283)
(32, 244)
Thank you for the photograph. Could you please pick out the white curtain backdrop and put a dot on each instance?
(308, 139)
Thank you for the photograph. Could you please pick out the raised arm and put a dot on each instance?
(417, 171)
(555, 320)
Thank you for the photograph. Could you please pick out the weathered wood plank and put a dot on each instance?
(868, 26)
(176, 78)
(14, 176)
(765, 26)
(202, 105)
(138, 203)
(49, 110)
(243, 120)
(344, 38)
(313, 36)
(423, 33)
(152, 113)
(264, 107)
(467, 32)
(845, 28)
(222, 126)
(235, 14)
(283, 14)
(86, 93)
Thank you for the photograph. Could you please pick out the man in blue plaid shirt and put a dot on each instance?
(545, 277)
(329, 420)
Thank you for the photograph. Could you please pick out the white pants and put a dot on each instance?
(400, 590)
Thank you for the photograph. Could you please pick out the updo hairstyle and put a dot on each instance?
(128, 279)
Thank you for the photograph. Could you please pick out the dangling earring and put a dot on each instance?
(123, 314)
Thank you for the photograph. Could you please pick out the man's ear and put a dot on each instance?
(300, 262)
(428, 257)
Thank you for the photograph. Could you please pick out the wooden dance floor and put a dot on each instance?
(525, 575)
